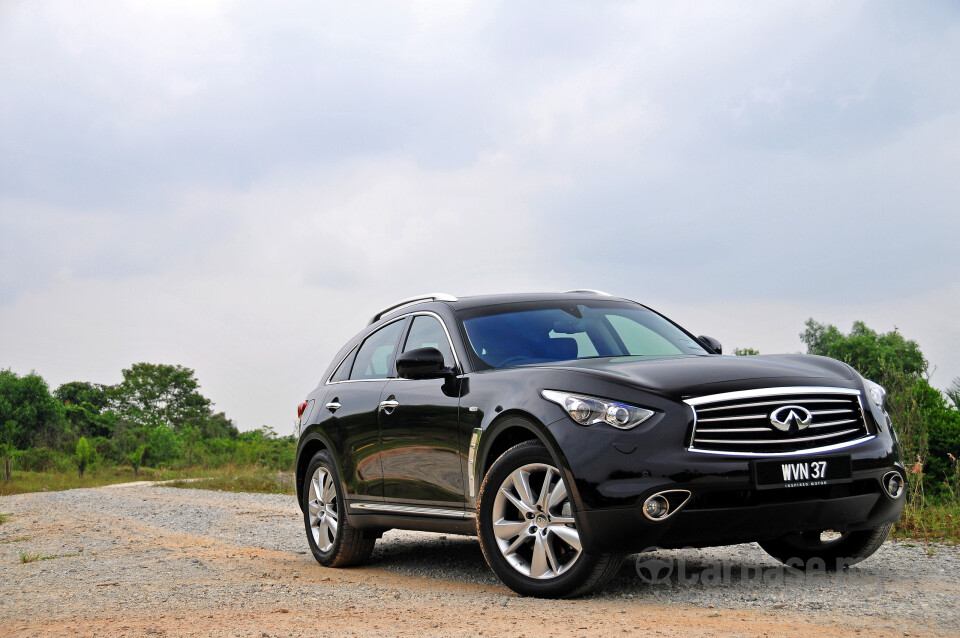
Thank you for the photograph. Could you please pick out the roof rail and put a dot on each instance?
(434, 296)
(590, 291)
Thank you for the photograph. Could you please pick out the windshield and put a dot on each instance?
(518, 334)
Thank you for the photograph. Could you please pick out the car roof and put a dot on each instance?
(480, 301)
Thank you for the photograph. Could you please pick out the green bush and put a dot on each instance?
(41, 459)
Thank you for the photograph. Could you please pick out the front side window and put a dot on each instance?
(428, 332)
(375, 357)
(518, 334)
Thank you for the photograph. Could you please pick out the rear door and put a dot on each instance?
(354, 403)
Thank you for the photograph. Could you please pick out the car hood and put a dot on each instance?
(691, 375)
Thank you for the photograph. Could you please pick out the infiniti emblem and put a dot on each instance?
(785, 418)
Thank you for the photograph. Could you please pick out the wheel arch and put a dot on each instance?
(312, 443)
(508, 429)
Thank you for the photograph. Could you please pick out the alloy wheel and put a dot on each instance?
(533, 522)
(322, 507)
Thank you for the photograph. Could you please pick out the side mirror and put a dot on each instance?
(711, 343)
(421, 363)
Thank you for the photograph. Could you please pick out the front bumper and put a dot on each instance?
(839, 508)
(613, 474)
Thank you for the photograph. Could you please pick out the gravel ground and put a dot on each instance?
(145, 560)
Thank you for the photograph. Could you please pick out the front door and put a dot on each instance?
(419, 438)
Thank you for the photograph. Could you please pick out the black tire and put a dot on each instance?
(582, 571)
(810, 550)
(344, 545)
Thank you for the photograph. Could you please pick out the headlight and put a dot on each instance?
(876, 393)
(589, 410)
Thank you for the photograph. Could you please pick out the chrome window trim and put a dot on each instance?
(456, 359)
(409, 509)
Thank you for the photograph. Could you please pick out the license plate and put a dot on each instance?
(808, 472)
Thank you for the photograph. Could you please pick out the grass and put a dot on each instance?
(32, 558)
(23, 482)
(931, 524)
(240, 479)
(3, 518)
(19, 539)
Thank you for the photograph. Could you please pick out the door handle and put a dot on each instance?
(389, 405)
(333, 406)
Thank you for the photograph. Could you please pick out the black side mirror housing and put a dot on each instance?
(711, 343)
(421, 363)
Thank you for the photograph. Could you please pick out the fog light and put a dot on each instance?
(656, 507)
(893, 483)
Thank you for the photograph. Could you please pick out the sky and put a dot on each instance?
(238, 186)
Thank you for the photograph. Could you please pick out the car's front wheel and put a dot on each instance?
(528, 532)
(333, 541)
(832, 550)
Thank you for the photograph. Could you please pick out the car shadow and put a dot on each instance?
(743, 571)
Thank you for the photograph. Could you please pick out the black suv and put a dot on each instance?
(567, 429)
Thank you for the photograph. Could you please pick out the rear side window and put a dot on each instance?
(343, 371)
(375, 357)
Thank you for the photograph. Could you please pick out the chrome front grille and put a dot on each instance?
(739, 423)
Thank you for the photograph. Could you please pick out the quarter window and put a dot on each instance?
(428, 332)
(375, 357)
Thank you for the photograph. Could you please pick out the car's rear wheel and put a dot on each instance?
(528, 532)
(333, 541)
(827, 549)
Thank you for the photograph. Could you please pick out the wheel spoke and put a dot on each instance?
(521, 481)
(545, 489)
(329, 490)
(332, 525)
(557, 495)
(516, 544)
(314, 488)
(538, 566)
(563, 520)
(314, 507)
(520, 505)
(506, 530)
(330, 511)
(551, 558)
(568, 535)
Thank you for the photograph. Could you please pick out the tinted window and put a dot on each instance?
(427, 332)
(343, 371)
(541, 333)
(375, 357)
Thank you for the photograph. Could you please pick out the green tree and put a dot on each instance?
(745, 352)
(87, 407)
(27, 401)
(136, 459)
(83, 455)
(218, 426)
(953, 392)
(929, 429)
(164, 445)
(8, 434)
(154, 394)
(871, 354)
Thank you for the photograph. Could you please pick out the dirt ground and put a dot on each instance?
(141, 560)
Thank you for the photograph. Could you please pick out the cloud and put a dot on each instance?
(237, 188)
